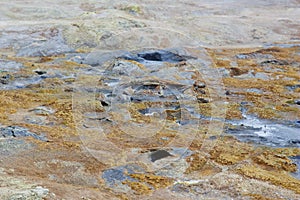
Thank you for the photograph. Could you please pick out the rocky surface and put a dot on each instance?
(149, 100)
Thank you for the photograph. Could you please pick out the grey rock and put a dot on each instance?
(10, 147)
(15, 131)
(274, 62)
(255, 90)
(265, 132)
(224, 72)
(262, 76)
(296, 160)
(19, 82)
(5, 79)
(116, 175)
(182, 152)
(293, 87)
(39, 120)
(10, 66)
(98, 58)
(254, 55)
(40, 191)
(202, 100)
(55, 46)
(125, 68)
(251, 75)
(199, 85)
(174, 169)
(42, 110)
(40, 42)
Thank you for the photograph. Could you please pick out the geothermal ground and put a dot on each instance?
(149, 100)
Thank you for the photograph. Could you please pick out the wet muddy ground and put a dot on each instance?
(149, 100)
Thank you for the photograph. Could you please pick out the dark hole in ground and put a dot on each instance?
(103, 103)
(159, 154)
(274, 62)
(155, 56)
(40, 72)
(163, 56)
(144, 111)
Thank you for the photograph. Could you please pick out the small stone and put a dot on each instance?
(164, 138)
(121, 67)
(234, 71)
(42, 110)
(297, 101)
(40, 191)
(202, 100)
(254, 55)
(295, 141)
(40, 120)
(69, 89)
(274, 62)
(69, 80)
(254, 90)
(213, 137)
(242, 56)
(6, 79)
(199, 85)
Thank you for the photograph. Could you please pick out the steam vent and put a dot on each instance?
(150, 100)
